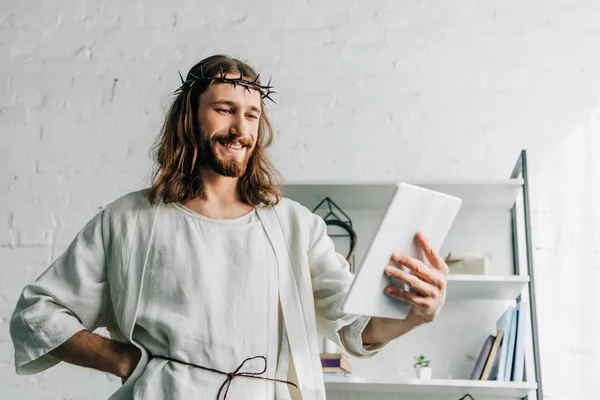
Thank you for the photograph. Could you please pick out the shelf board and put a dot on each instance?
(456, 387)
(485, 287)
(376, 194)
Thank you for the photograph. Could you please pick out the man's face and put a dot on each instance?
(228, 119)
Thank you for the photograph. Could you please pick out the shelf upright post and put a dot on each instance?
(520, 170)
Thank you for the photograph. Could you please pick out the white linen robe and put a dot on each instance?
(96, 282)
(210, 297)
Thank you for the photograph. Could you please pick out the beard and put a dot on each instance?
(233, 166)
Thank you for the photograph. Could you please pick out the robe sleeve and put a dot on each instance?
(331, 279)
(70, 296)
(351, 338)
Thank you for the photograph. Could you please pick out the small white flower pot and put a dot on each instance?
(424, 373)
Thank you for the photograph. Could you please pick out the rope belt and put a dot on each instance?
(231, 375)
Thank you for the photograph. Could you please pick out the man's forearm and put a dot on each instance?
(89, 350)
(383, 330)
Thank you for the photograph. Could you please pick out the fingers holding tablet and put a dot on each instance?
(432, 256)
(427, 286)
(413, 281)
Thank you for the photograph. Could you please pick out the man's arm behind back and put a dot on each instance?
(55, 315)
(90, 350)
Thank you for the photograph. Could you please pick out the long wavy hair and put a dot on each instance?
(177, 154)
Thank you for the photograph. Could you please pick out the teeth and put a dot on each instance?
(234, 146)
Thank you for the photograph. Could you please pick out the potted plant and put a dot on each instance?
(422, 367)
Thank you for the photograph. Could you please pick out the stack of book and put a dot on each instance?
(335, 364)
(502, 356)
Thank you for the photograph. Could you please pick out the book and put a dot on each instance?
(332, 356)
(335, 374)
(512, 337)
(504, 324)
(483, 355)
(519, 359)
(338, 363)
(335, 369)
(494, 370)
(485, 375)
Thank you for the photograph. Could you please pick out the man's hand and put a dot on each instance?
(130, 357)
(426, 300)
(89, 350)
(428, 284)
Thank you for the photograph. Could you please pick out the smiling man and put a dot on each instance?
(210, 283)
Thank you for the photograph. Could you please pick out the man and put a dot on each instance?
(210, 284)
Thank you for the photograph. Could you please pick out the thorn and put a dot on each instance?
(256, 79)
(180, 77)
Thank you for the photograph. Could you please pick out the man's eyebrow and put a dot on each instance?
(233, 104)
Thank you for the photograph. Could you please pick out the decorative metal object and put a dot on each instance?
(335, 216)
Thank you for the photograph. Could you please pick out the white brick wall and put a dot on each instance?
(386, 89)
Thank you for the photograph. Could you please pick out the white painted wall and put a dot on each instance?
(386, 89)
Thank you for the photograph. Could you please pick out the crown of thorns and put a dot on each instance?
(265, 90)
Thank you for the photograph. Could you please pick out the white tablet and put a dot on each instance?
(412, 209)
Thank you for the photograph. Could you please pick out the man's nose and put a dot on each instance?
(239, 126)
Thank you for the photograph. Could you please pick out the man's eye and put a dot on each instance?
(253, 116)
(224, 110)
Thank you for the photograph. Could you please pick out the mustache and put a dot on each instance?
(233, 139)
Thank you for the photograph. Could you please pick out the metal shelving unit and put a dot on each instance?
(520, 172)
(495, 195)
